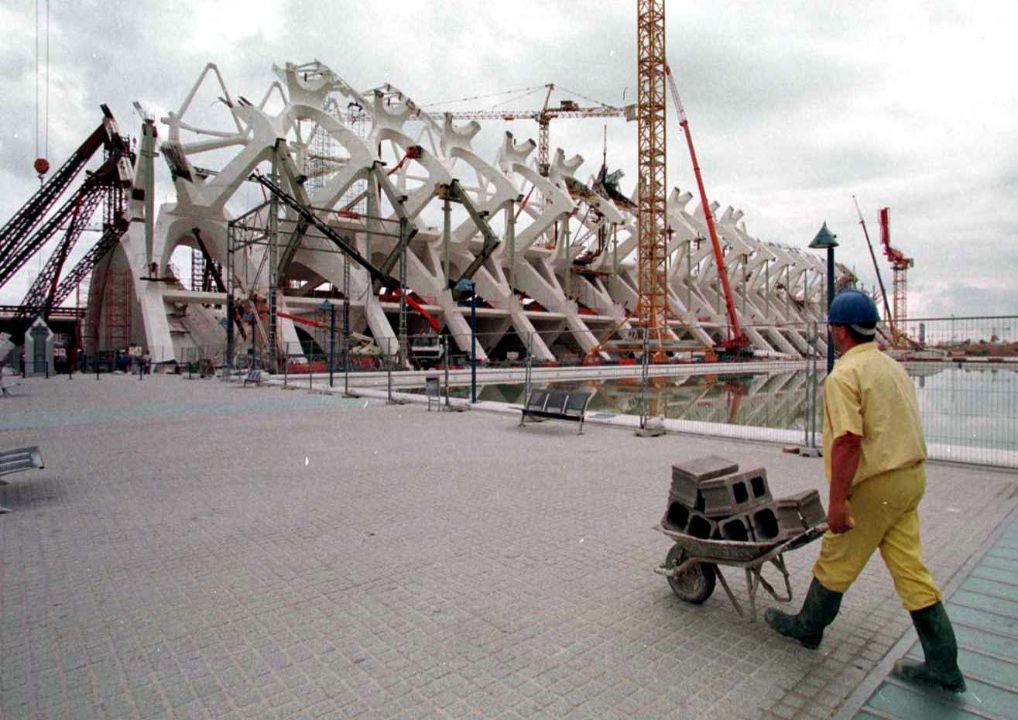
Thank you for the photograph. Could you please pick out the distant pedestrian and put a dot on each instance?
(874, 453)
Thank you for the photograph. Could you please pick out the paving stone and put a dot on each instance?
(178, 539)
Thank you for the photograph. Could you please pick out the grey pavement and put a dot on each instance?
(195, 549)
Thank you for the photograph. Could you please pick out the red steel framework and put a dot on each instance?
(116, 306)
(900, 264)
(652, 254)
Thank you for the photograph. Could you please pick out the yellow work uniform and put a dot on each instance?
(869, 394)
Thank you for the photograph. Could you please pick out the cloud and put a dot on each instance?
(795, 106)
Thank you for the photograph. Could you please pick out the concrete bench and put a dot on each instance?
(556, 405)
(12, 461)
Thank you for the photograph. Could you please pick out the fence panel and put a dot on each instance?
(965, 372)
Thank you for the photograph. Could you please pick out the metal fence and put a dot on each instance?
(966, 375)
(965, 371)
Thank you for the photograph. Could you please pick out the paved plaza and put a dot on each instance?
(195, 549)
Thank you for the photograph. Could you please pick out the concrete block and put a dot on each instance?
(734, 494)
(687, 476)
(770, 525)
(777, 521)
(737, 527)
(804, 510)
(681, 518)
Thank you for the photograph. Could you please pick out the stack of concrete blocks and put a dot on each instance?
(710, 499)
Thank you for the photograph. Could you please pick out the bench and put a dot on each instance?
(254, 377)
(12, 461)
(556, 405)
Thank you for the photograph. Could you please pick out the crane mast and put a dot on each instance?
(651, 220)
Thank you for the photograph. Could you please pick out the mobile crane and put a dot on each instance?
(736, 343)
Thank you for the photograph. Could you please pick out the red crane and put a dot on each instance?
(736, 341)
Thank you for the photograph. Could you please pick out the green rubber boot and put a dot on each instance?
(940, 648)
(818, 611)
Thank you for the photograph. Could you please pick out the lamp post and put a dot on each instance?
(465, 289)
(825, 240)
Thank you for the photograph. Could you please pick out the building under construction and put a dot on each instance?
(320, 196)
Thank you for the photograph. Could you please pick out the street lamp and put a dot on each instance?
(825, 240)
(465, 289)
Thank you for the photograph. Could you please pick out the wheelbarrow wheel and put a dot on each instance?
(694, 584)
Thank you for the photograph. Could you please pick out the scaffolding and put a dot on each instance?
(203, 273)
(324, 156)
(82, 289)
(116, 307)
(197, 270)
(256, 237)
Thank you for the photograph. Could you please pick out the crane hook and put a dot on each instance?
(41, 166)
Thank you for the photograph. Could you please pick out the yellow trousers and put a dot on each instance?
(884, 510)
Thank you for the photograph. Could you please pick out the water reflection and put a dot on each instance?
(971, 406)
(776, 400)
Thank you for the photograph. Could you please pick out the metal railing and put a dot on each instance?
(965, 372)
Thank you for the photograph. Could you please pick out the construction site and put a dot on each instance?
(371, 206)
(458, 509)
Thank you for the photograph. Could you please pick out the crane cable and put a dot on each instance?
(41, 164)
(525, 91)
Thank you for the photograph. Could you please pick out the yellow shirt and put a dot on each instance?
(870, 395)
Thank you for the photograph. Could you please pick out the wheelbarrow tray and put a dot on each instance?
(694, 563)
(730, 552)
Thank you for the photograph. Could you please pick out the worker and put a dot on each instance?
(873, 455)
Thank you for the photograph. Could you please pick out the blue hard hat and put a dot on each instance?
(853, 307)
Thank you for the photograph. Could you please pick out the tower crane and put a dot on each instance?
(652, 308)
(900, 264)
(651, 218)
(544, 116)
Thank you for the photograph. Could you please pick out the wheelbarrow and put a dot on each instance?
(693, 566)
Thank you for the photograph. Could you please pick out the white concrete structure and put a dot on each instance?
(564, 273)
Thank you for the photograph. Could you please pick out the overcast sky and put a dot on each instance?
(795, 106)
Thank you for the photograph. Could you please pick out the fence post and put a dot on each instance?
(473, 346)
(811, 385)
(332, 339)
(644, 373)
(528, 367)
(388, 369)
(346, 365)
(445, 356)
